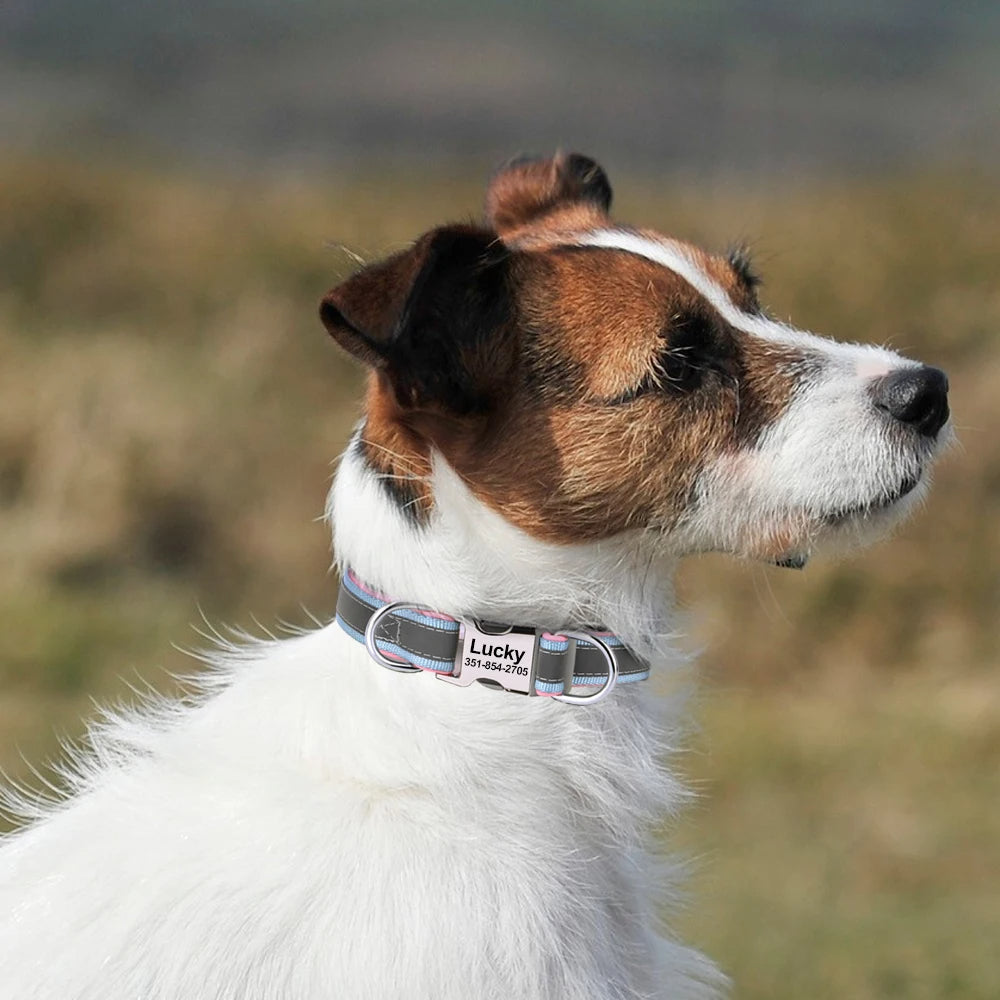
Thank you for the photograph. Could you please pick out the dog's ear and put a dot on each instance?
(432, 320)
(527, 189)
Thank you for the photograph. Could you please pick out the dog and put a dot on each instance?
(448, 791)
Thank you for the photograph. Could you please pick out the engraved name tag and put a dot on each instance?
(507, 659)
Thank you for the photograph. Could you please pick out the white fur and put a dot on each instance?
(314, 826)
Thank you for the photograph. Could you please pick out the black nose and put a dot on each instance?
(915, 396)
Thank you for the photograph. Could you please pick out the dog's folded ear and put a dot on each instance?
(567, 187)
(432, 320)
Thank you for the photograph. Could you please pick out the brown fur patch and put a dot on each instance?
(566, 193)
(360, 313)
(398, 455)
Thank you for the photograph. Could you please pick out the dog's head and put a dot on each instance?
(585, 379)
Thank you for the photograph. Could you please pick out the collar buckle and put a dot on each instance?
(506, 656)
(502, 656)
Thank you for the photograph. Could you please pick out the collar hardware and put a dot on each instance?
(408, 638)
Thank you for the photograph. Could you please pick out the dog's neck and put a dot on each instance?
(467, 560)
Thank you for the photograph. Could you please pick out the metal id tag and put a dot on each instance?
(504, 657)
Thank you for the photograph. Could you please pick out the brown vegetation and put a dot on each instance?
(169, 409)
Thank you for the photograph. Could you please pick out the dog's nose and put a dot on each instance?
(914, 396)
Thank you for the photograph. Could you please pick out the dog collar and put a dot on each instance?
(516, 658)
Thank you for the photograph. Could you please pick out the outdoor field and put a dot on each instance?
(171, 409)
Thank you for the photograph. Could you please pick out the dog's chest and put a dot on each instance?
(317, 827)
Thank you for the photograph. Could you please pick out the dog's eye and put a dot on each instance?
(689, 344)
(675, 371)
(679, 370)
(690, 334)
(681, 364)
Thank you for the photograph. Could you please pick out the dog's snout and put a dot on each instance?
(914, 396)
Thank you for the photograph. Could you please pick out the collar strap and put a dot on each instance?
(516, 658)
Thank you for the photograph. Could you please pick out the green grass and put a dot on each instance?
(170, 410)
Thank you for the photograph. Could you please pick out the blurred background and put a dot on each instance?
(178, 184)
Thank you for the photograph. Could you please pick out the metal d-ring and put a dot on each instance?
(605, 689)
(374, 652)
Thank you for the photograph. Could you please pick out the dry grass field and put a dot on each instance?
(169, 410)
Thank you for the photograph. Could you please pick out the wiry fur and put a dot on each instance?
(308, 825)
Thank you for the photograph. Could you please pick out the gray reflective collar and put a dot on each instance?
(516, 658)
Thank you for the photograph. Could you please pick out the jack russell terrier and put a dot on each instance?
(448, 792)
